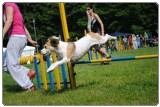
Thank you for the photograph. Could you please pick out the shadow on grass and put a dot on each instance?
(12, 88)
(86, 85)
(100, 64)
(51, 92)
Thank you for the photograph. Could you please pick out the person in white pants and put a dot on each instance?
(134, 40)
(19, 34)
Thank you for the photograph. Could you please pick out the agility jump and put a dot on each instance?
(66, 59)
(42, 77)
(116, 59)
(42, 66)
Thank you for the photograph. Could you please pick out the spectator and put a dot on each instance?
(134, 41)
(130, 42)
(146, 39)
(138, 41)
(141, 41)
(125, 41)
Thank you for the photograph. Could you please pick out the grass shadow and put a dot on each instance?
(93, 64)
(55, 91)
(12, 88)
(86, 85)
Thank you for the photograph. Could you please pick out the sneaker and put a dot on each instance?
(31, 74)
(104, 63)
(33, 88)
(109, 56)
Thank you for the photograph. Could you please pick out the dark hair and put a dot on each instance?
(90, 6)
(3, 6)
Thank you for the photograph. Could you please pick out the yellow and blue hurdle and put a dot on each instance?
(43, 73)
(117, 59)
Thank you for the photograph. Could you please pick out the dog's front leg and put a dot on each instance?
(54, 65)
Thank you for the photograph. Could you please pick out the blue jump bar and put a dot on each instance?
(37, 74)
(112, 59)
(82, 62)
(123, 58)
(50, 73)
(116, 59)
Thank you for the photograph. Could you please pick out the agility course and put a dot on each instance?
(70, 71)
(122, 82)
(70, 65)
(38, 60)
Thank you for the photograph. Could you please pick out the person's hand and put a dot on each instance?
(34, 43)
(87, 12)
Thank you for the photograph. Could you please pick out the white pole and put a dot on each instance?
(35, 33)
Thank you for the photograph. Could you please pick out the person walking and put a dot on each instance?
(18, 36)
(95, 25)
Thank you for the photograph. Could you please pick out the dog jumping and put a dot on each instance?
(73, 51)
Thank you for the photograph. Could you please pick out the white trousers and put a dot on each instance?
(11, 61)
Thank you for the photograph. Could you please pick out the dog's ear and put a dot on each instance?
(54, 41)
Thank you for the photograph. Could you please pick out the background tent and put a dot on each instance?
(120, 34)
(27, 51)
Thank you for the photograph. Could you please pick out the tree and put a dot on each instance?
(122, 17)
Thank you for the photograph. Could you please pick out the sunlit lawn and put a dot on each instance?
(132, 82)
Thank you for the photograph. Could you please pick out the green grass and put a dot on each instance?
(133, 82)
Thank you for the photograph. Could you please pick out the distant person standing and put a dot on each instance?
(125, 41)
(95, 25)
(18, 33)
(146, 38)
(130, 42)
(138, 41)
(134, 41)
(142, 41)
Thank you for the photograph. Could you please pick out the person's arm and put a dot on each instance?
(9, 17)
(100, 22)
(34, 43)
(89, 21)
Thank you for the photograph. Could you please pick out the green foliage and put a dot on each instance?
(136, 28)
(122, 17)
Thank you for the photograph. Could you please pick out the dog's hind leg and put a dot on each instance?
(54, 65)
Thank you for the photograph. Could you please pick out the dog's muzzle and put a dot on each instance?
(45, 51)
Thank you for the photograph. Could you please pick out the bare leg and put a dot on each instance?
(103, 53)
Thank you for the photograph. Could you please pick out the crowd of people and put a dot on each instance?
(134, 41)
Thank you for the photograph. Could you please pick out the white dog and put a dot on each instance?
(73, 51)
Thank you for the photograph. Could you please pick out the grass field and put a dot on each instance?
(133, 82)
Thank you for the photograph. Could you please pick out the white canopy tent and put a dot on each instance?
(27, 51)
